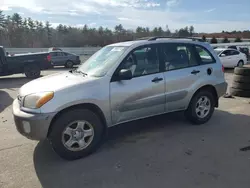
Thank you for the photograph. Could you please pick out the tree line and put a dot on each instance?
(214, 40)
(16, 31)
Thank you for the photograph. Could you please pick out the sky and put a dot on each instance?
(206, 16)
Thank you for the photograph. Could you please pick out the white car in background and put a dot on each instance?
(231, 58)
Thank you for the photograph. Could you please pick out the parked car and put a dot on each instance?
(64, 59)
(244, 50)
(29, 64)
(54, 49)
(231, 58)
(121, 82)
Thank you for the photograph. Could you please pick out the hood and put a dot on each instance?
(53, 82)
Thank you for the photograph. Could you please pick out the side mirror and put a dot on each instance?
(125, 74)
(222, 55)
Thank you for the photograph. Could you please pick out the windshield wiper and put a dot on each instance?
(78, 72)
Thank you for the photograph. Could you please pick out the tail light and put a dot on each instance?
(222, 68)
(49, 58)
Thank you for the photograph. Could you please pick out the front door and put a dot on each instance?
(144, 94)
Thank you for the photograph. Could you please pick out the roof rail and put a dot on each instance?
(163, 37)
(144, 38)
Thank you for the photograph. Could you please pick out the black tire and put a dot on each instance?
(243, 86)
(241, 79)
(55, 135)
(190, 112)
(243, 71)
(32, 72)
(240, 63)
(240, 92)
(69, 64)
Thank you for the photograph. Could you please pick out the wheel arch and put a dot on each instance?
(209, 88)
(90, 106)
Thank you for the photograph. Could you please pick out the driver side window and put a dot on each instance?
(142, 61)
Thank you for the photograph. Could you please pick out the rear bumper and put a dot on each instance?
(77, 62)
(221, 89)
(32, 126)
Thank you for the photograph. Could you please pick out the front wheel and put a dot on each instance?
(76, 134)
(201, 107)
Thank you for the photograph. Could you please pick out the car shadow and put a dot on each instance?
(229, 70)
(5, 100)
(134, 154)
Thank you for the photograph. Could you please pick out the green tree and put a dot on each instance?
(17, 20)
(214, 40)
(204, 38)
(48, 33)
(225, 40)
(238, 39)
(2, 20)
(168, 32)
(191, 30)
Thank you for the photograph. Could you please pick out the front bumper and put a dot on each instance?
(32, 126)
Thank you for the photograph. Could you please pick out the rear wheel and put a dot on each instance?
(76, 134)
(32, 72)
(201, 107)
(69, 64)
(240, 63)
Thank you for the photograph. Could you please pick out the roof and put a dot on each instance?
(157, 40)
(220, 48)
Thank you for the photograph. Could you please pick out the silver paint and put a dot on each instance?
(124, 101)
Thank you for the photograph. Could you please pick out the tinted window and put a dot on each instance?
(53, 54)
(235, 53)
(205, 55)
(230, 52)
(57, 54)
(142, 61)
(177, 56)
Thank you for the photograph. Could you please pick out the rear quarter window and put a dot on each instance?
(204, 55)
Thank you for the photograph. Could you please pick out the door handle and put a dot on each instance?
(195, 72)
(156, 79)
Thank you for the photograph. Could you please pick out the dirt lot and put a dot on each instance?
(164, 151)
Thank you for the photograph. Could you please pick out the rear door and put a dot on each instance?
(227, 58)
(181, 73)
(186, 66)
(235, 55)
(58, 58)
(144, 94)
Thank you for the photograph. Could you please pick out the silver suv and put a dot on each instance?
(120, 83)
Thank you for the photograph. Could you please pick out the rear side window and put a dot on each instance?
(204, 55)
(53, 54)
(178, 56)
(230, 52)
(235, 52)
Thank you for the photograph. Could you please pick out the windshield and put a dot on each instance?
(99, 63)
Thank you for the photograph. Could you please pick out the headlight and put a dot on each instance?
(37, 100)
